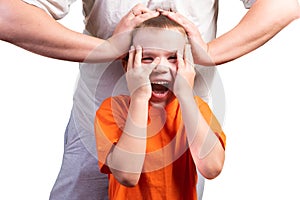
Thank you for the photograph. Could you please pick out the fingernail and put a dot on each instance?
(157, 59)
(170, 14)
(131, 48)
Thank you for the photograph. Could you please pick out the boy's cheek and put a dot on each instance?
(173, 71)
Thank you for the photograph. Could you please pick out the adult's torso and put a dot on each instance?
(101, 16)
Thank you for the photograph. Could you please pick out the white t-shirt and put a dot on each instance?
(97, 81)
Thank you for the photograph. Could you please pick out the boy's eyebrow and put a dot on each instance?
(151, 51)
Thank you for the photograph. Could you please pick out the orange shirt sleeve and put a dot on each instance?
(211, 120)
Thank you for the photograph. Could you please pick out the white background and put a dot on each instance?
(261, 121)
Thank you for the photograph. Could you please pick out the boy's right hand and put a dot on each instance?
(137, 75)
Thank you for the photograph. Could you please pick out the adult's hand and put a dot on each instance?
(120, 41)
(138, 14)
(199, 47)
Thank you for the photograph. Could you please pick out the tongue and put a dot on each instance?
(158, 88)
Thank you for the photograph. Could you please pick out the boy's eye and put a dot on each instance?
(172, 59)
(147, 60)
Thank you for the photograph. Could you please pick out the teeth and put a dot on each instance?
(160, 82)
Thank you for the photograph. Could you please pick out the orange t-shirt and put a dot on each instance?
(169, 171)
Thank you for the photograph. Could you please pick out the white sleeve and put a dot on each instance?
(56, 8)
(248, 3)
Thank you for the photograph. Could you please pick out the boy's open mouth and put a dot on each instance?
(160, 88)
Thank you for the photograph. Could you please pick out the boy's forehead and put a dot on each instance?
(154, 51)
(159, 38)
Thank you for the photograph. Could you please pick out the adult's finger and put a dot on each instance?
(139, 9)
(145, 16)
(133, 18)
(174, 16)
(180, 19)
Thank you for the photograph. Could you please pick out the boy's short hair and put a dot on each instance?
(161, 21)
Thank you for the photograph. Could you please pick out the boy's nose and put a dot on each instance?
(162, 67)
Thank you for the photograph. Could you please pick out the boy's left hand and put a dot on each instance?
(185, 74)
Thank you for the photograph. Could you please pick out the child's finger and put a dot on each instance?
(155, 62)
(130, 58)
(138, 56)
(180, 61)
(188, 57)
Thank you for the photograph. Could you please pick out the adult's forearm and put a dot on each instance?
(33, 29)
(264, 20)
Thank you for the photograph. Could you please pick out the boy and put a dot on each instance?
(152, 142)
